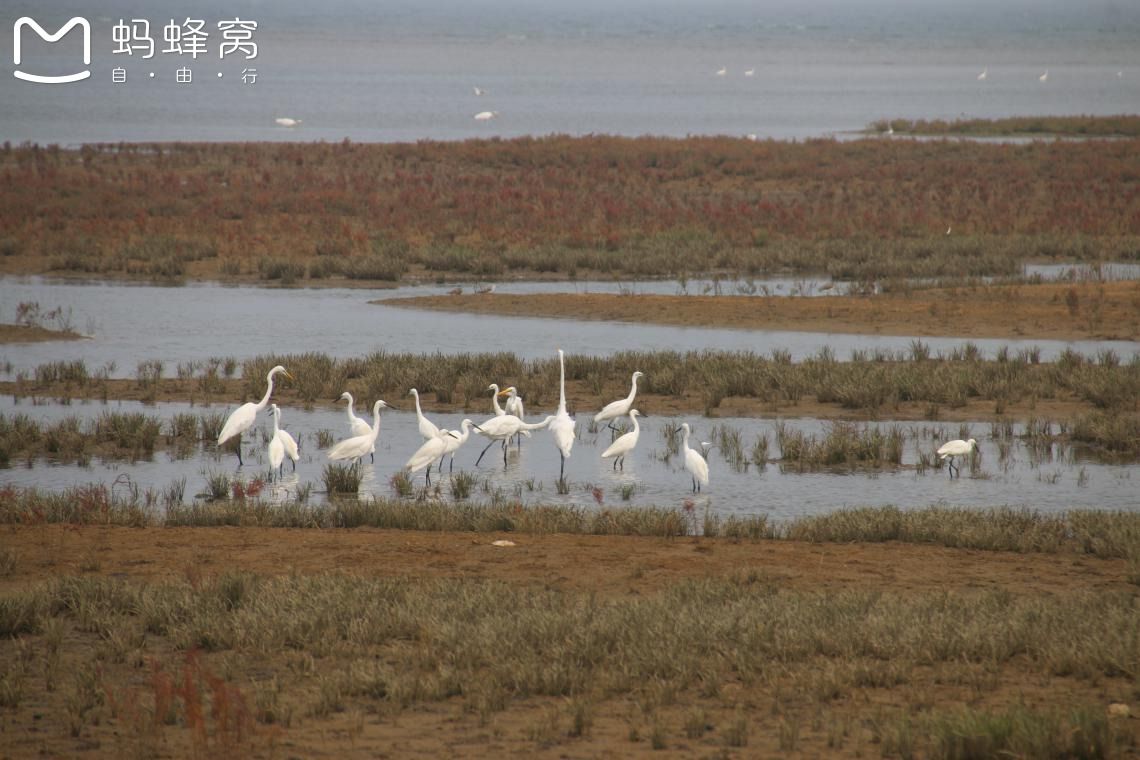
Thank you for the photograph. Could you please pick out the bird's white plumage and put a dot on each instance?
(282, 444)
(356, 425)
(696, 464)
(956, 448)
(428, 429)
(285, 121)
(431, 450)
(499, 411)
(625, 443)
(985, 73)
(486, 115)
(243, 417)
(621, 407)
(359, 445)
(515, 403)
(562, 426)
(454, 441)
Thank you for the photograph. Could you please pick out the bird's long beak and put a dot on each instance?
(505, 392)
(477, 428)
(286, 374)
(391, 406)
(453, 435)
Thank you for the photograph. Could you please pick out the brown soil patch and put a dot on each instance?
(24, 334)
(1108, 310)
(610, 568)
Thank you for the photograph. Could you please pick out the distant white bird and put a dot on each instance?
(752, 136)
(357, 425)
(1044, 77)
(285, 121)
(985, 73)
(428, 429)
(948, 228)
(722, 71)
(453, 442)
(485, 290)
(486, 115)
(621, 407)
(1119, 74)
(501, 428)
(695, 462)
(479, 90)
(243, 417)
(282, 444)
(957, 448)
(890, 128)
(562, 426)
(433, 448)
(749, 72)
(625, 443)
(359, 445)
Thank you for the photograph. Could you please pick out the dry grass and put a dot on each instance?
(387, 645)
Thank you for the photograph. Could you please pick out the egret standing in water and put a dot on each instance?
(428, 429)
(359, 445)
(282, 444)
(952, 449)
(425, 455)
(515, 407)
(621, 407)
(243, 417)
(625, 443)
(453, 442)
(357, 425)
(502, 428)
(562, 426)
(695, 462)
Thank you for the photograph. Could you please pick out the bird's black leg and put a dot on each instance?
(623, 464)
(615, 464)
(505, 449)
(562, 469)
(480, 459)
(240, 463)
(373, 455)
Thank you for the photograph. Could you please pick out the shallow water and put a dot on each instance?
(1054, 480)
(129, 324)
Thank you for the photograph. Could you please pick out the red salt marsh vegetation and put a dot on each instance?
(565, 207)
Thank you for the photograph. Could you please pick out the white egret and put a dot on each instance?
(243, 417)
(515, 407)
(625, 443)
(1044, 77)
(357, 425)
(985, 73)
(479, 91)
(621, 407)
(722, 71)
(502, 428)
(499, 411)
(749, 72)
(426, 454)
(285, 121)
(428, 429)
(957, 448)
(359, 445)
(486, 115)
(695, 461)
(282, 444)
(453, 442)
(562, 426)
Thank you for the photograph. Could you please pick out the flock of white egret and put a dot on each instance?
(507, 423)
(438, 443)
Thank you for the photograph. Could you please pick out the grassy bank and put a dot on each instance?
(237, 662)
(566, 207)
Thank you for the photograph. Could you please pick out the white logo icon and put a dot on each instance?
(28, 21)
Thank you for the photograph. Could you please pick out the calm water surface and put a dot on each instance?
(133, 323)
(1053, 480)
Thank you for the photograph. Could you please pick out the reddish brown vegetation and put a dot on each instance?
(559, 204)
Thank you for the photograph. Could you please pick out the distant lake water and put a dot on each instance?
(402, 71)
